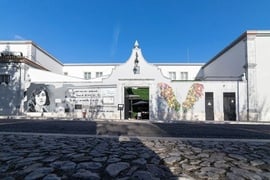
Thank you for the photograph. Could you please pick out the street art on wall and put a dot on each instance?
(195, 92)
(38, 99)
(67, 98)
(166, 92)
(167, 99)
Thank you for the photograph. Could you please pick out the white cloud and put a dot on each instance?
(116, 34)
(18, 37)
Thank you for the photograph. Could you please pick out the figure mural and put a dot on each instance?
(67, 100)
(195, 92)
(167, 101)
(166, 92)
(39, 100)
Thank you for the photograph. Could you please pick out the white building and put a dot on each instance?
(174, 71)
(246, 58)
(231, 86)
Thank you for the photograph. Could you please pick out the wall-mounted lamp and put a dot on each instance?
(136, 69)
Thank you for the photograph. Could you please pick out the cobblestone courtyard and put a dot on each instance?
(52, 157)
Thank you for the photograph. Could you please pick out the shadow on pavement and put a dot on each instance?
(145, 129)
(78, 157)
(204, 130)
(49, 126)
(120, 156)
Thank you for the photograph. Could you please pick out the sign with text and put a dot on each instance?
(92, 96)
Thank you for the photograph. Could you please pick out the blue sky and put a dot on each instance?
(104, 31)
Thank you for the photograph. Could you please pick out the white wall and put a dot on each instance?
(47, 61)
(41, 76)
(228, 65)
(181, 90)
(263, 76)
(33, 53)
(17, 46)
(77, 70)
(191, 69)
(11, 93)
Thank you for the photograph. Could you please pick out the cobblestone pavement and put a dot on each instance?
(53, 157)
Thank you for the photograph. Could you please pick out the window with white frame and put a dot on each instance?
(87, 75)
(172, 75)
(99, 74)
(184, 75)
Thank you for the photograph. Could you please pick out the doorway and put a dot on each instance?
(229, 107)
(209, 106)
(136, 102)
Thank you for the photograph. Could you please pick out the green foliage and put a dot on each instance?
(142, 92)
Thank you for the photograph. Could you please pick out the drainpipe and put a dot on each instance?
(247, 78)
(247, 96)
(238, 111)
(20, 90)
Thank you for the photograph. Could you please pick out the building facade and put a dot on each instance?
(231, 86)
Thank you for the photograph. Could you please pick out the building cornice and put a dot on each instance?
(33, 44)
(92, 64)
(117, 64)
(178, 64)
(22, 60)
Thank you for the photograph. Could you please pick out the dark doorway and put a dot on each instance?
(136, 102)
(209, 106)
(229, 106)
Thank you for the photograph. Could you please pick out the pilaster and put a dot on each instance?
(252, 101)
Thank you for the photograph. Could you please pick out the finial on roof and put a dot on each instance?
(136, 45)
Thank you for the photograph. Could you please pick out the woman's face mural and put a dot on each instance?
(38, 99)
(41, 98)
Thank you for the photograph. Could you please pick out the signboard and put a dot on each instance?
(91, 96)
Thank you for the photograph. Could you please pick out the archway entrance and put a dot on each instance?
(136, 102)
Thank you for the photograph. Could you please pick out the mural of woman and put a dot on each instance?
(39, 100)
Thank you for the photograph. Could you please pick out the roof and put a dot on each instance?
(34, 44)
(237, 40)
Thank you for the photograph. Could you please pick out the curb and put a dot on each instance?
(136, 121)
(136, 138)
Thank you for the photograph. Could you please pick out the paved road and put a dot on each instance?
(137, 128)
(67, 156)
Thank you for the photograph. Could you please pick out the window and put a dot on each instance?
(65, 73)
(184, 75)
(78, 106)
(99, 74)
(172, 75)
(87, 75)
(4, 78)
